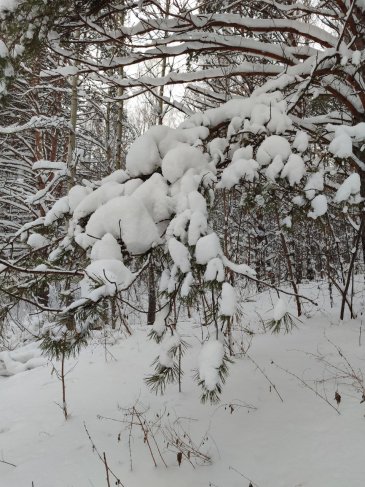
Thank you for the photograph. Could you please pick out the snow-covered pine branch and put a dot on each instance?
(164, 205)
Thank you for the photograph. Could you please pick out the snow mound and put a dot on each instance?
(20, 360)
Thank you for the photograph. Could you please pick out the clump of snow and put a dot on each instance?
(65, 245)
(181, 158)
(234, 126)
(243, 153)
(197, 202)
(350, 186)
(356, 58)
(143, 156)
(280, 309)
(273, 170)
(238, 109)
(287, 221)
(8, 5)
(106, 248)
(3, 49)
(76, 194)
(273, 146)
(207, 248)
(272, 116)
(210, 360)
(298, 200)
(361, 4)
(124, 217)
(345, 136)
(146, 153)
(294, 169)
(91, 202)
(178, 225)
(243, 269)
(356, 132)
(36, 240)
(319, 206)
(164, 280)
(169, 344)
(41, 267)
(159, 325)
(153, 193)
(228, 300)
(105, 278)
(217, 147)
(119, 176)
(214, 270)
(341, 146)
(314, 183)
(186, 285)
(237, 170)
(60, 208)
(301, 141)
(198, 226)
(180, 255)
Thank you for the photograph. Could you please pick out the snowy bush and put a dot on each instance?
(164, 211)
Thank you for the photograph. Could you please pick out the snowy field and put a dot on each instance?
(278, 424)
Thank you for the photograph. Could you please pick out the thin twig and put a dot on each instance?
(267, 378)
(118, 481)
(244, 476)
(145, 432)
(106, 469)
(7, 463)
(308, 386)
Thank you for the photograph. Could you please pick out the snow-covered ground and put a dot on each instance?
(283, 437)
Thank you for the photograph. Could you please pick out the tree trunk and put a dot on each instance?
(151, 315)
